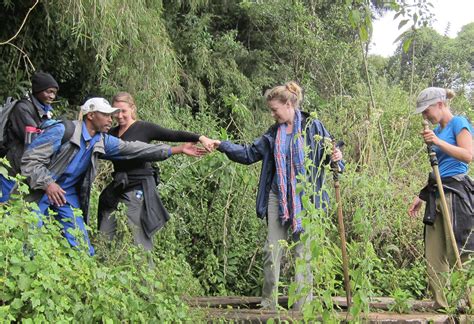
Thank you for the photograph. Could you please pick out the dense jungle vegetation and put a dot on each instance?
(202, 65)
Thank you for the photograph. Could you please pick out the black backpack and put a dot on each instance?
(5, 111)
(69, 128)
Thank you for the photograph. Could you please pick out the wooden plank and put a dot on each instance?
(225, 301)
(382, 303)
(261, 316)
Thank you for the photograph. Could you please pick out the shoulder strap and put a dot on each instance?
(69, 128)
(29, 103)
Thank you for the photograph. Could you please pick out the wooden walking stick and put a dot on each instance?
(342, 233)
(444, 206)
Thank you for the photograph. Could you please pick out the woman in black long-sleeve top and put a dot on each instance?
(135, 182)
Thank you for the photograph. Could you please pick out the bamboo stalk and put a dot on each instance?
(342, 233)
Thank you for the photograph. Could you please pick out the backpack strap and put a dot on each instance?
(69, 128)
(30, 105)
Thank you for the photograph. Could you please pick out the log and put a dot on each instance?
(379, 303)
(262, 316)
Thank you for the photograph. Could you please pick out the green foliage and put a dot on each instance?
(434, 59)
(213, 220)
(400, 301)
(43, 279)
(202, 66)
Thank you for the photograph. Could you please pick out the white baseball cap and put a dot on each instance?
(428, 97)
(98, 104)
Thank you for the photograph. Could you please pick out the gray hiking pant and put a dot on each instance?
(136, 207)
(272, 258)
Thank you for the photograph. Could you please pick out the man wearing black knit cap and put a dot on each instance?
(25, 120)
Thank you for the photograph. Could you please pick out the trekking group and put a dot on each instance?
(59, 159)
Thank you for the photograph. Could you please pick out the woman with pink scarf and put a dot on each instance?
(281, 150)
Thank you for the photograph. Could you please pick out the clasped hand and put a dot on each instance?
(336, 155)
(429, 137)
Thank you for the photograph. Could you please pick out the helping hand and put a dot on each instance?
(192, 150)
(216, 144)
(209, 144)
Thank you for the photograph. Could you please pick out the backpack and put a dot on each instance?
(69, 128)
(5, 111)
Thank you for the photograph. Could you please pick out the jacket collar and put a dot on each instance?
(76, 138)
(38, 105)
(272, 130)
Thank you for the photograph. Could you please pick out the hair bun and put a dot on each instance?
(450, 94)
(295, 89)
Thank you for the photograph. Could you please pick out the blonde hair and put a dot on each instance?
(127, 98)
(290, 91)
(450, 94)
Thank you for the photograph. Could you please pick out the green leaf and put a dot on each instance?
(402, 23)
(394, 6)
(363, 33)
(17, 303)
(24, 282)
(354, 18)
(3, 171)
(400, 36)
(406, 44)
(35, 302)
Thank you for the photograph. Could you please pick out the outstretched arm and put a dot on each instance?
(159, 133)
(245, 154)
(116, 149)
(189, 149)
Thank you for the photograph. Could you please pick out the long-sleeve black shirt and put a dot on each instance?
(146, 132)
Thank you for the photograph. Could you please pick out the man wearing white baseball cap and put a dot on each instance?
(61, 174)
(98, 104)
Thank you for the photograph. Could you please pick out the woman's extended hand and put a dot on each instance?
(415, 206)
(216, 144)
(209, 144)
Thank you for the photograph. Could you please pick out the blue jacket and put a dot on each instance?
(262, 150)
(46, 159)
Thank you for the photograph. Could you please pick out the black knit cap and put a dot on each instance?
(42, 81)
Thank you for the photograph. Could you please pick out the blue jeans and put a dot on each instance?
(65, 216)
(6, 188)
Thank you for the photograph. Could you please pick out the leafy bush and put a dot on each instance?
(44, 279)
